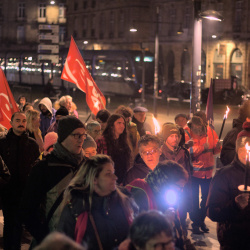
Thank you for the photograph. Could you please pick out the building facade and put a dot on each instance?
(105, 25)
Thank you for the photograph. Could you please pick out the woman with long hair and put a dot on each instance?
(33, 124)
(115, 143)
(95, 211)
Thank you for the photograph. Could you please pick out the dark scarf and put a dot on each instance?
(62, 153)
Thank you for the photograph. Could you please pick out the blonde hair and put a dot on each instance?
(84, 181)
(63, 100)
(30, 116)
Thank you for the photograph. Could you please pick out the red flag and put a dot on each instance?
(210, 108)
(75, 71)
(8, 105)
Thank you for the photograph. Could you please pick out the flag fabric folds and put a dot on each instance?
(210, 108)
(8, 105)
(75, 71)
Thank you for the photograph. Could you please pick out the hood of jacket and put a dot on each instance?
(246, 126)
(237, 123)
(47, 103)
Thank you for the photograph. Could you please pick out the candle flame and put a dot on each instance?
(157, 125)
(226, 114)
(247, 146)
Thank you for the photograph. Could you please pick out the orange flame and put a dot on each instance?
(156, 124)
(226, 114)
(247, 146)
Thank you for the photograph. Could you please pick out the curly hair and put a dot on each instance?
(144, 140)
(125, 111)
(244, 111)
(166, 172)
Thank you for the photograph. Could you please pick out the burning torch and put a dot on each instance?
(156, 125)
(247, 166)
(223, 123)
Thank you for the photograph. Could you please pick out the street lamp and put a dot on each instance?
(156, 73)
(197, 40)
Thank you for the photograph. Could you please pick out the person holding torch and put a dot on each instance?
(205, 145)
(228, 199)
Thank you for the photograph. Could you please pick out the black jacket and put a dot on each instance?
(45, 175)
(109, 217)
(19, 153)
(233, 229)
(228, 147)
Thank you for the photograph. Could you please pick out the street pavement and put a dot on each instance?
(165, 113)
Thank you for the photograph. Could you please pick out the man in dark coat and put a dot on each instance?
(228, 148)
(40, 210)
(139, 118)
(227, 202)
(147, 159)
(19, 152)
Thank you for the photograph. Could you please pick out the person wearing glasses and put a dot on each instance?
(115, 143)
(39, 210)
(146, 160)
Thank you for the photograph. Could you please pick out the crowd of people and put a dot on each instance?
(113, 184)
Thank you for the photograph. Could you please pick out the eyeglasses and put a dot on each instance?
(79, 136)
(151, 152)
(97, 131)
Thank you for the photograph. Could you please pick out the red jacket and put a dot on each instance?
(203, 160)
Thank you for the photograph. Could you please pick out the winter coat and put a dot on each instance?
(119, 156)
(109, 216)
(53, 127)
(4, 173)
(228, 148)
(134, 137)
(139, 170)
(47, 120)
(142, 127)
(48, 179)
(233, 228)
(19, 153)
(203, 159)
(181, 156)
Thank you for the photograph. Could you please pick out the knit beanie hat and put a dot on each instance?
(244, 136)
(169, 129)
(49, 140)
(67, 125)
(62, 111)
(89, 142)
